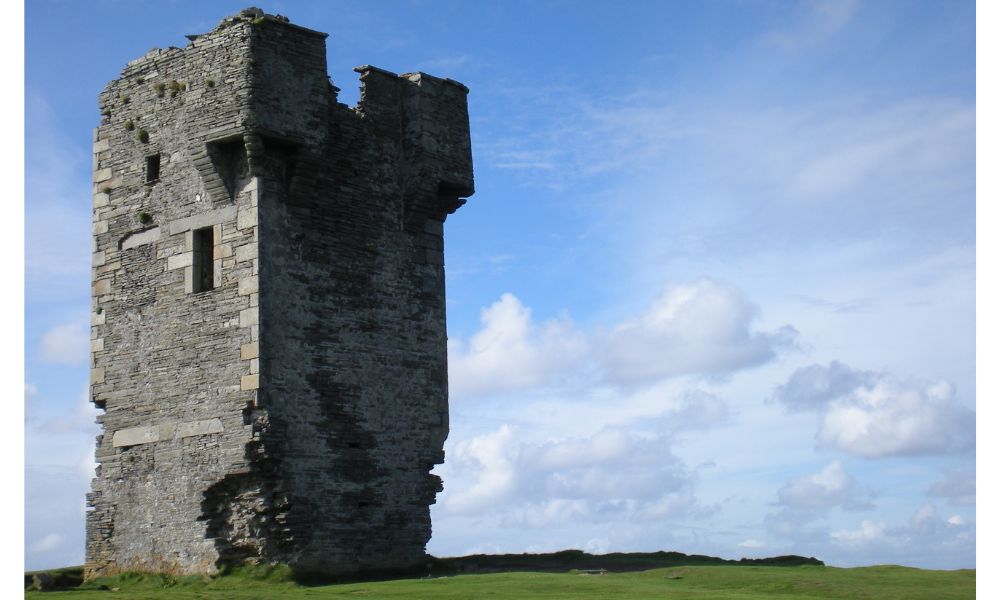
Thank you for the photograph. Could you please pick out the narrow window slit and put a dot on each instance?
(203, 260)
(152, 168)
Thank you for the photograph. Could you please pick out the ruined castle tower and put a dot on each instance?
(268, 312)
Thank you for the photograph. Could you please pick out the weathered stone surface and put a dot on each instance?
(140, 237)
(268, 326)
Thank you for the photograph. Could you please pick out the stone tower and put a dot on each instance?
(268, 338)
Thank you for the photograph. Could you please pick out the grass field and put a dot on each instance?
(683, 582)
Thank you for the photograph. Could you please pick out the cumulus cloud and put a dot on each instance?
(66, 344)
(925, 533)
(831, 487)
(488, 461)
(702, 329)
(697, 329)
(816, 386)
(868, 531)
(874, 415)
(613, 474)
(511, 351)
(958, 486)
(808, 498)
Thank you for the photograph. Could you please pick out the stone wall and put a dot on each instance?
(292, 411)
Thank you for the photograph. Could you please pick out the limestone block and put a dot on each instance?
(204, 219)
(101, 287)
(184, 259)
(223, 250)
(248, 285)
(101, 145)
(101, 199)
(217, 268)
(246, 252)
(250, 382)
(204, 427)
(165, 431)
(102, 175)
(134, 436)
(246, 218)
(249, 317)
(140, 238)
(248, 351)
(97, 375)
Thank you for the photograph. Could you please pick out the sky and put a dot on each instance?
(715, 292)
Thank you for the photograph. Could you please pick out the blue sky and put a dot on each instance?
(715, 292)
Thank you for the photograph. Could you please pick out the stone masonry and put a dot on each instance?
(268, 318)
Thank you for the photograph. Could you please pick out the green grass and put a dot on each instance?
(681, 583)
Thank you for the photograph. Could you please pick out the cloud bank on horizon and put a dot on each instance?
(715, 292)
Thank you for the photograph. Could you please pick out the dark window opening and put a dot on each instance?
(203, 260)
(363, 505)
(229, 158)
(354, 445)
(152, 168)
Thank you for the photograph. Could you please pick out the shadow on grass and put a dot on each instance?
(554, 562)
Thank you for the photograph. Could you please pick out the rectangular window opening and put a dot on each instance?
(152, 168)
(203, 260)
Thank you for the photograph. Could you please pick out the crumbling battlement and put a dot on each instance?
(268, 317)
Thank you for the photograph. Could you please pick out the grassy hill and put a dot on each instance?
(597, 577)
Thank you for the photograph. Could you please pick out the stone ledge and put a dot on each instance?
(134, 436)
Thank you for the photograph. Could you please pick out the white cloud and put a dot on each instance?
(612, 475)
(831, 487)
(752, 543)
(816, 386)
(47, 543)
(874, 415)
(924, 535)
(66, 344)
(700, 329)
(697, 329)
(892, 419)
(59, 464)
(958, 486)
(868, 532)
(511, 351)
(887, 151)
(809, 498)
(488, 459)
